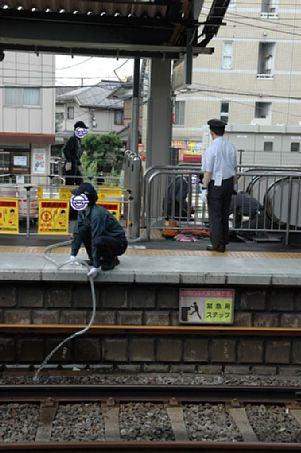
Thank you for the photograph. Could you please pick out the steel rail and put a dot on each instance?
(150, 330)
(150, 447)
(141, 392)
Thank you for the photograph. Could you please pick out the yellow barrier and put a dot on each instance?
(108, 194)
(65, 192)
(53, 216)
(9, 215)
(52, 213)
(110, 198)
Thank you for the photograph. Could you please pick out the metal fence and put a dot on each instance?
(124, 191)
(52, 187)
(268, 201)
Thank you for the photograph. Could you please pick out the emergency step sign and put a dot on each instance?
(53, 216)
(9, 216)
(206, 306)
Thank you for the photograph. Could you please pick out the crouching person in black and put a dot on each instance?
(99, 231)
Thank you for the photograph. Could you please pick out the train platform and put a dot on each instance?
(140, 321)
(159, 261)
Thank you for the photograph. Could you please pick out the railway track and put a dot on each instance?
(178, 410)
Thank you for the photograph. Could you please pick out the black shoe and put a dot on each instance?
(216, 249)
(108, 265)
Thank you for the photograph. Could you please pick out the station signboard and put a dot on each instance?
(206, 306)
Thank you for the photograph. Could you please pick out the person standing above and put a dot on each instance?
(72, 153)
(102, 235)
(219, 167)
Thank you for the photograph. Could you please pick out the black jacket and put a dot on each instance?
(73, 150)
(100, 222)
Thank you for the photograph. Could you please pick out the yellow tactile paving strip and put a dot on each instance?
(152, 252)
(164, 252)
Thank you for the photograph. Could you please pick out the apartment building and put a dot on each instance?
(252, 81)
(27, 112)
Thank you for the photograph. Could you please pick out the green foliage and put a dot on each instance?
(102, 154)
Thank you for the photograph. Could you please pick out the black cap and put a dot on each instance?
(80, 124)
(85, 188)
(217, 126)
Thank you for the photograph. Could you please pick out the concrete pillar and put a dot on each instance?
(159, 125)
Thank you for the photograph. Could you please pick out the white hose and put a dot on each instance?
(80, 332)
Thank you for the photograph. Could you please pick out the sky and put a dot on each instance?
(84, 71)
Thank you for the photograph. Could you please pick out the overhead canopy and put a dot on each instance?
(108, 28)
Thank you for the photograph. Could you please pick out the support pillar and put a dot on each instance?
(159, 112)
(135, 107)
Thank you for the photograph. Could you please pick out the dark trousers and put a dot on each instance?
(73, 176)
(107, 247)
(219, 199)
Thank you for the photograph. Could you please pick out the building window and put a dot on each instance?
(227, 55)
(263, 109)
(59, 121)
(295, 147)
(118, 117)
(4, 161)
(70, 113)
(179, 113)
(267, 146)
(266, 54)
(224, 115)
(269, 8)
(17, 96)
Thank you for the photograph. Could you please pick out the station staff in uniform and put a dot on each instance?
(218, 184)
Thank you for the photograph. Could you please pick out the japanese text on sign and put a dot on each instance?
(9, 216)
(208, 306)
(53, 216)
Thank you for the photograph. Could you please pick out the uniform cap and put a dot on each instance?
(216, 124)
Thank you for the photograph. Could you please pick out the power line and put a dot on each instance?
(223, 90)
(245, 24)
(75, 64)
(252, 18)
(244, 104)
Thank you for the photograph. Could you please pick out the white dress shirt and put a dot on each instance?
(220, 159)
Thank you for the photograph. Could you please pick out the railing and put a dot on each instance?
(22, 203)
(268, 201)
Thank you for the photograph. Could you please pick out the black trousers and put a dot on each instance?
(108, 247)
(73, 176)
(219, 199)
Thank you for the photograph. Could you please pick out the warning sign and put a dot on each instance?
(9, 216)
(206, 306)
(113, 208)
(111, 199)
(53, 216)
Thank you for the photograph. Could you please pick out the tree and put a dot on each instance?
(102, 154)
